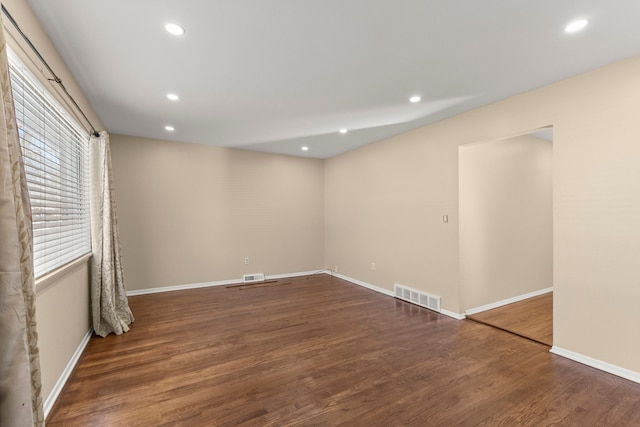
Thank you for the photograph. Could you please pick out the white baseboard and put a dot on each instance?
(287, 275)
(207, 284)
(364, 284)
(456, 316)
(511, 300)
(181, 287)
(62, 380)
(278, 276)
(598, 364)
(388, 292)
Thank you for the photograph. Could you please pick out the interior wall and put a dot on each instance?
(191, 213)
(64, 318)
(506, 213)
(385, 204)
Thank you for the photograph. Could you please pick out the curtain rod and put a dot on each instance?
(55, 77)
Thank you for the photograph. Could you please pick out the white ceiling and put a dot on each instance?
(274, 75)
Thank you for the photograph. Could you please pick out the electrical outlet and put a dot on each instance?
(373, 265)
(246, 260)
(335, 268)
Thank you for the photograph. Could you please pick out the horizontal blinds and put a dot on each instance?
(55, 154)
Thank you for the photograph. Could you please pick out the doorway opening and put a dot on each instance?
(506, 233)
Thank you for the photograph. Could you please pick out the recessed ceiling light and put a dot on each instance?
(173, 96)
(343, 130)
(305, 148)
(174, 29)
(415, 98)
(169, 128)
(576, 25)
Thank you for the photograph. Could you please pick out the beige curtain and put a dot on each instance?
(110, 307)
(20, 386)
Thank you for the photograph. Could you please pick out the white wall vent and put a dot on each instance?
(257, 277)
(414, 296)
(398, 290)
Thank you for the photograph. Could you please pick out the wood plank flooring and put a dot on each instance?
(531, 318)
(319, 351)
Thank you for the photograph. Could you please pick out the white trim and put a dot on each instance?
(280, 276)
(181, 287)
(287, 275)
(56, 275)
(62, 380)
(511, 300)
(207, 284)
(598, 364)
(389, 293)
(456, 316)
(364, 284)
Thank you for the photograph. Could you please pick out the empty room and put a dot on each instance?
(294, 213)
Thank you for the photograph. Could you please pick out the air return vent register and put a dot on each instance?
(420, 298)
(257, 277)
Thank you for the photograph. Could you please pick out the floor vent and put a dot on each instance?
(248, 278)
(420, 298)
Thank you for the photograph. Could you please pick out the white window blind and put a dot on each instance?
(55, 153)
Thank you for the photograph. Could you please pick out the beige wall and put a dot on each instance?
(384, 205)
(191, 213)
(63, 321)
(505, 210)
(62, 309)
(385, 202)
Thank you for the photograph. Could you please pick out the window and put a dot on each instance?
(55, 152)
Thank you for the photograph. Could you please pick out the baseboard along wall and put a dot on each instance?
(66, 373)
(598, 364)
(507, 301)
(390, 293)
(217, 283)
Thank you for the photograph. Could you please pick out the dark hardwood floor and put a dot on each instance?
(531, 318)
(323, 352)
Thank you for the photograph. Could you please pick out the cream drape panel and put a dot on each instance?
(20, 384)
(109, 304)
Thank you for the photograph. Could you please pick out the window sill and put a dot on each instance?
(47, 280)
